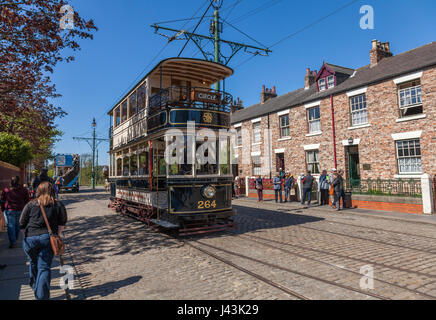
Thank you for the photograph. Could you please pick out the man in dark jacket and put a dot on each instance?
(278, 187)
(307, 188)
(41, 178)
(338, 185)
(289, 185)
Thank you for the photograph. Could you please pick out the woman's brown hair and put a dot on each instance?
(45, 194)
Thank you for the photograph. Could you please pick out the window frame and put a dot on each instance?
(312, 121)
(358, 110)
(255, 125)
(325, 84)
(328, 83)
(415, 156)
(286, 127)
(409, 86)
(309, 164)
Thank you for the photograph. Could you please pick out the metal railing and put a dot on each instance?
(398, 187)
(181, 97)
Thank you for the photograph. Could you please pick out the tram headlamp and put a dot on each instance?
(209, 192)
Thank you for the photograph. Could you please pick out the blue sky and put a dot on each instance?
(124, 46)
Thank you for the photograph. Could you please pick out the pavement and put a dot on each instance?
(314, 251)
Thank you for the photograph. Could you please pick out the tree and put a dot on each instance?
(31, 41)
(14, 150)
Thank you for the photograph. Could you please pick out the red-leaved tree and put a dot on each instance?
(31, 40)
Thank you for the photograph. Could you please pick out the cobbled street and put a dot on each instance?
(283, 252)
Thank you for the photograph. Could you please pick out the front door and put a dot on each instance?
(353, 165)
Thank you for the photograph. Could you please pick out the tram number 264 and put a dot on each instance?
(206, 204)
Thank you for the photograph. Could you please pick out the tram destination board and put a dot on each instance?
(206, 96)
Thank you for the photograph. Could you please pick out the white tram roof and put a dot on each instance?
(204, 71)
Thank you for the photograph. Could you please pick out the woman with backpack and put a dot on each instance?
(13, 200)
(36, 243)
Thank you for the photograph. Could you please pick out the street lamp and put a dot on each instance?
(350, 141)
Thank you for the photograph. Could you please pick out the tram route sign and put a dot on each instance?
(206, 96)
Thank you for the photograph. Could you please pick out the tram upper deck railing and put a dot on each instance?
(190, 97)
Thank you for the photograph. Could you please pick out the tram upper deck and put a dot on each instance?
(176, 91)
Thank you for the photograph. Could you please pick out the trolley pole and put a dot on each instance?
(217, 40)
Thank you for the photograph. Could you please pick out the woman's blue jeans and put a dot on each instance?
(38, 250)
(13, 221)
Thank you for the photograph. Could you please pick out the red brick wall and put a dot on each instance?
(376, 147)
(7, 171)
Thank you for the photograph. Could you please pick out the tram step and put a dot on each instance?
(165, 224)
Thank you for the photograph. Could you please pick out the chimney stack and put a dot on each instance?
(267, 94)
(309, 79)
(237, 105)
(379, 51)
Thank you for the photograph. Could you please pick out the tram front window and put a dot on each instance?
(206, 152)
(160, 164)
(181, 166)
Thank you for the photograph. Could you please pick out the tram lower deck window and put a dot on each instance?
(206, 152)
(143, 164)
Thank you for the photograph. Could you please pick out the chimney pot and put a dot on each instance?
(379, 51)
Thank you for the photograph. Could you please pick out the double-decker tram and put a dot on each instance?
(170, 150)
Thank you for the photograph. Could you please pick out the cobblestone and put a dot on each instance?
(119, 258)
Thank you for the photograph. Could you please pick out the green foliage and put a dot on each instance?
(14, 150)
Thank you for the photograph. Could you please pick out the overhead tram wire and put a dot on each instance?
(152, 60)
(257, 10)
(304, 28)
(245, 34)
(196, 27)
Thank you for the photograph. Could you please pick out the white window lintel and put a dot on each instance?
(256, 120)
(313, 104)
(407, 135)
(311, 147)
(284, 113)
(357, 92)
(279, 151)
(408, 77)
(238, 125)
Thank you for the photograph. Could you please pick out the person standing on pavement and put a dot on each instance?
(289, 185)
(277, 181)
(338, 185)
(259, 188)
(237, 187)
(307, 188)
(41, 178)
(36, 243)
(13, 200)
(324, 184)
(332, 189)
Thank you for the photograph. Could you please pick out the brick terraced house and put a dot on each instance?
(376, 122)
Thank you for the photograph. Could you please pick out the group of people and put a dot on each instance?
(329, 184)
(22, 209)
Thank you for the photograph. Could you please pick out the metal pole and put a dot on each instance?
(217, 41)
(96, 170)
(93, 156)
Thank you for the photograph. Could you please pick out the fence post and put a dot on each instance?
(427, 194)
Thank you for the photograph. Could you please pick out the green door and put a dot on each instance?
(353, 166)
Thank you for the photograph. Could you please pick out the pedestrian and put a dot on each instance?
(307, 188)
(277, 181)
(36, 243)
(338, 185)
(259, 188)
(41, 178)
(237, 187)
(13, 200)
(324, 185)
(282, 174)
(289, 185)
(332, 189)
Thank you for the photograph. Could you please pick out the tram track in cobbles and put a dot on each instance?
(338, 266)
(419, 247)
(318, 279)
(345, 214)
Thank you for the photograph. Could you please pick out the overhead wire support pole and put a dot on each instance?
(93, 143)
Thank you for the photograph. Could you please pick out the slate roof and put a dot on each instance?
(388, 68)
